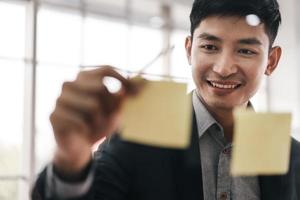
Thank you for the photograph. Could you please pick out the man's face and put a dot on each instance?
(229, 58)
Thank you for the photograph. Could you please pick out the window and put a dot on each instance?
(104, 42)
(180, 66)
(12, 50)
(145, 45)
(59, 43)
(59, 36)
(49, 81)
(66, 41)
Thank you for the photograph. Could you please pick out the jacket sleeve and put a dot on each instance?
(111, 176)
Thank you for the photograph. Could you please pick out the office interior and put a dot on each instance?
(46, 42)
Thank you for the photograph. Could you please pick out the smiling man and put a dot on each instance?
(229, 59)
(229, 56)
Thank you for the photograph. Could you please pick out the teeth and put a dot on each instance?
(217, 85)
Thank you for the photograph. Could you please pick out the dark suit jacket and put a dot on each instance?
(130, 171)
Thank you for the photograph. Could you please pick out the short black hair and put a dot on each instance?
(266, 10)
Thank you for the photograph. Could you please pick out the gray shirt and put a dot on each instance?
(215, 154)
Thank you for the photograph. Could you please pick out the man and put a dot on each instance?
(229, 55)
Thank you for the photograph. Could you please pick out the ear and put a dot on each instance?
(274, 57)
(188, 48)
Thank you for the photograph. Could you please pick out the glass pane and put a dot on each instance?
(111, 4)
(105, 42)
(59, 36)
(180, 66)
(144, 45)
(49, 82)
(259, 100)
(11, 116)
(9, 190)
(12, 36)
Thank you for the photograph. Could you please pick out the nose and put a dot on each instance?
(225, 65)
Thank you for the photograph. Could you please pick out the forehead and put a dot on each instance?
(231, 28)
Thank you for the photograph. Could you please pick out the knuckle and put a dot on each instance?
(66, 85)
(82, 75)
(107, 67)
(92, 105)
(53, 117)
(59, 101)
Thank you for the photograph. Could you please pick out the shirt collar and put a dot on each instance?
(203, 117)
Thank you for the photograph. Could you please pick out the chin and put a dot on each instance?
(222, 105)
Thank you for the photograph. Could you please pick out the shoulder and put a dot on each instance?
(295, 147)
(295, 158)
(295, 152)
(38, 190)
(116, 145)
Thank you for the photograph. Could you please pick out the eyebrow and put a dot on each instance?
(207, 36)
(247, 41)
(250, 41)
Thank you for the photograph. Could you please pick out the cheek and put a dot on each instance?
(200, 63)
(257, 69)
(200, 70)
(254, 74)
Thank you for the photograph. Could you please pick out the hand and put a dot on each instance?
(84, 113)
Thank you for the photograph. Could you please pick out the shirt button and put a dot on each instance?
(223, 196)
(226, 151)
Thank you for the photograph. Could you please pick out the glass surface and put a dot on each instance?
(49, 82)
(59, 36)
(105, 42)
(59, 55)
(259, 100)
(12, 36)
(9, 189)
(120, 45)
(180, 66)
(11, 116)
(144, 45)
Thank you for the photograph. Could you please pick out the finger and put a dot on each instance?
(65, 121)
(104, 71)
(137, 85)
(112, 123)
(111, 103)
(102, 102)
(82, 100)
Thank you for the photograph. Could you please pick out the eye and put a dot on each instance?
(209, 47)
(247, 52)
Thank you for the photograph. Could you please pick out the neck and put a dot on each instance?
(224, 116)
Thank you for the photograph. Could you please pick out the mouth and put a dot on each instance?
(225, 85)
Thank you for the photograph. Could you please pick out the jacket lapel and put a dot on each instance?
(272, 187)
(281, 187)
(187, 169)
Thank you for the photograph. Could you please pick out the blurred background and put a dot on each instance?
(46, 42)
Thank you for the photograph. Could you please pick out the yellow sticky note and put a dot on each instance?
(261, 143)
(159, 116)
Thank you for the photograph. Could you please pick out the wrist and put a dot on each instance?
(72, 164)
(78, 176)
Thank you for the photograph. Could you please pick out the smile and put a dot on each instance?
(224, 85)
